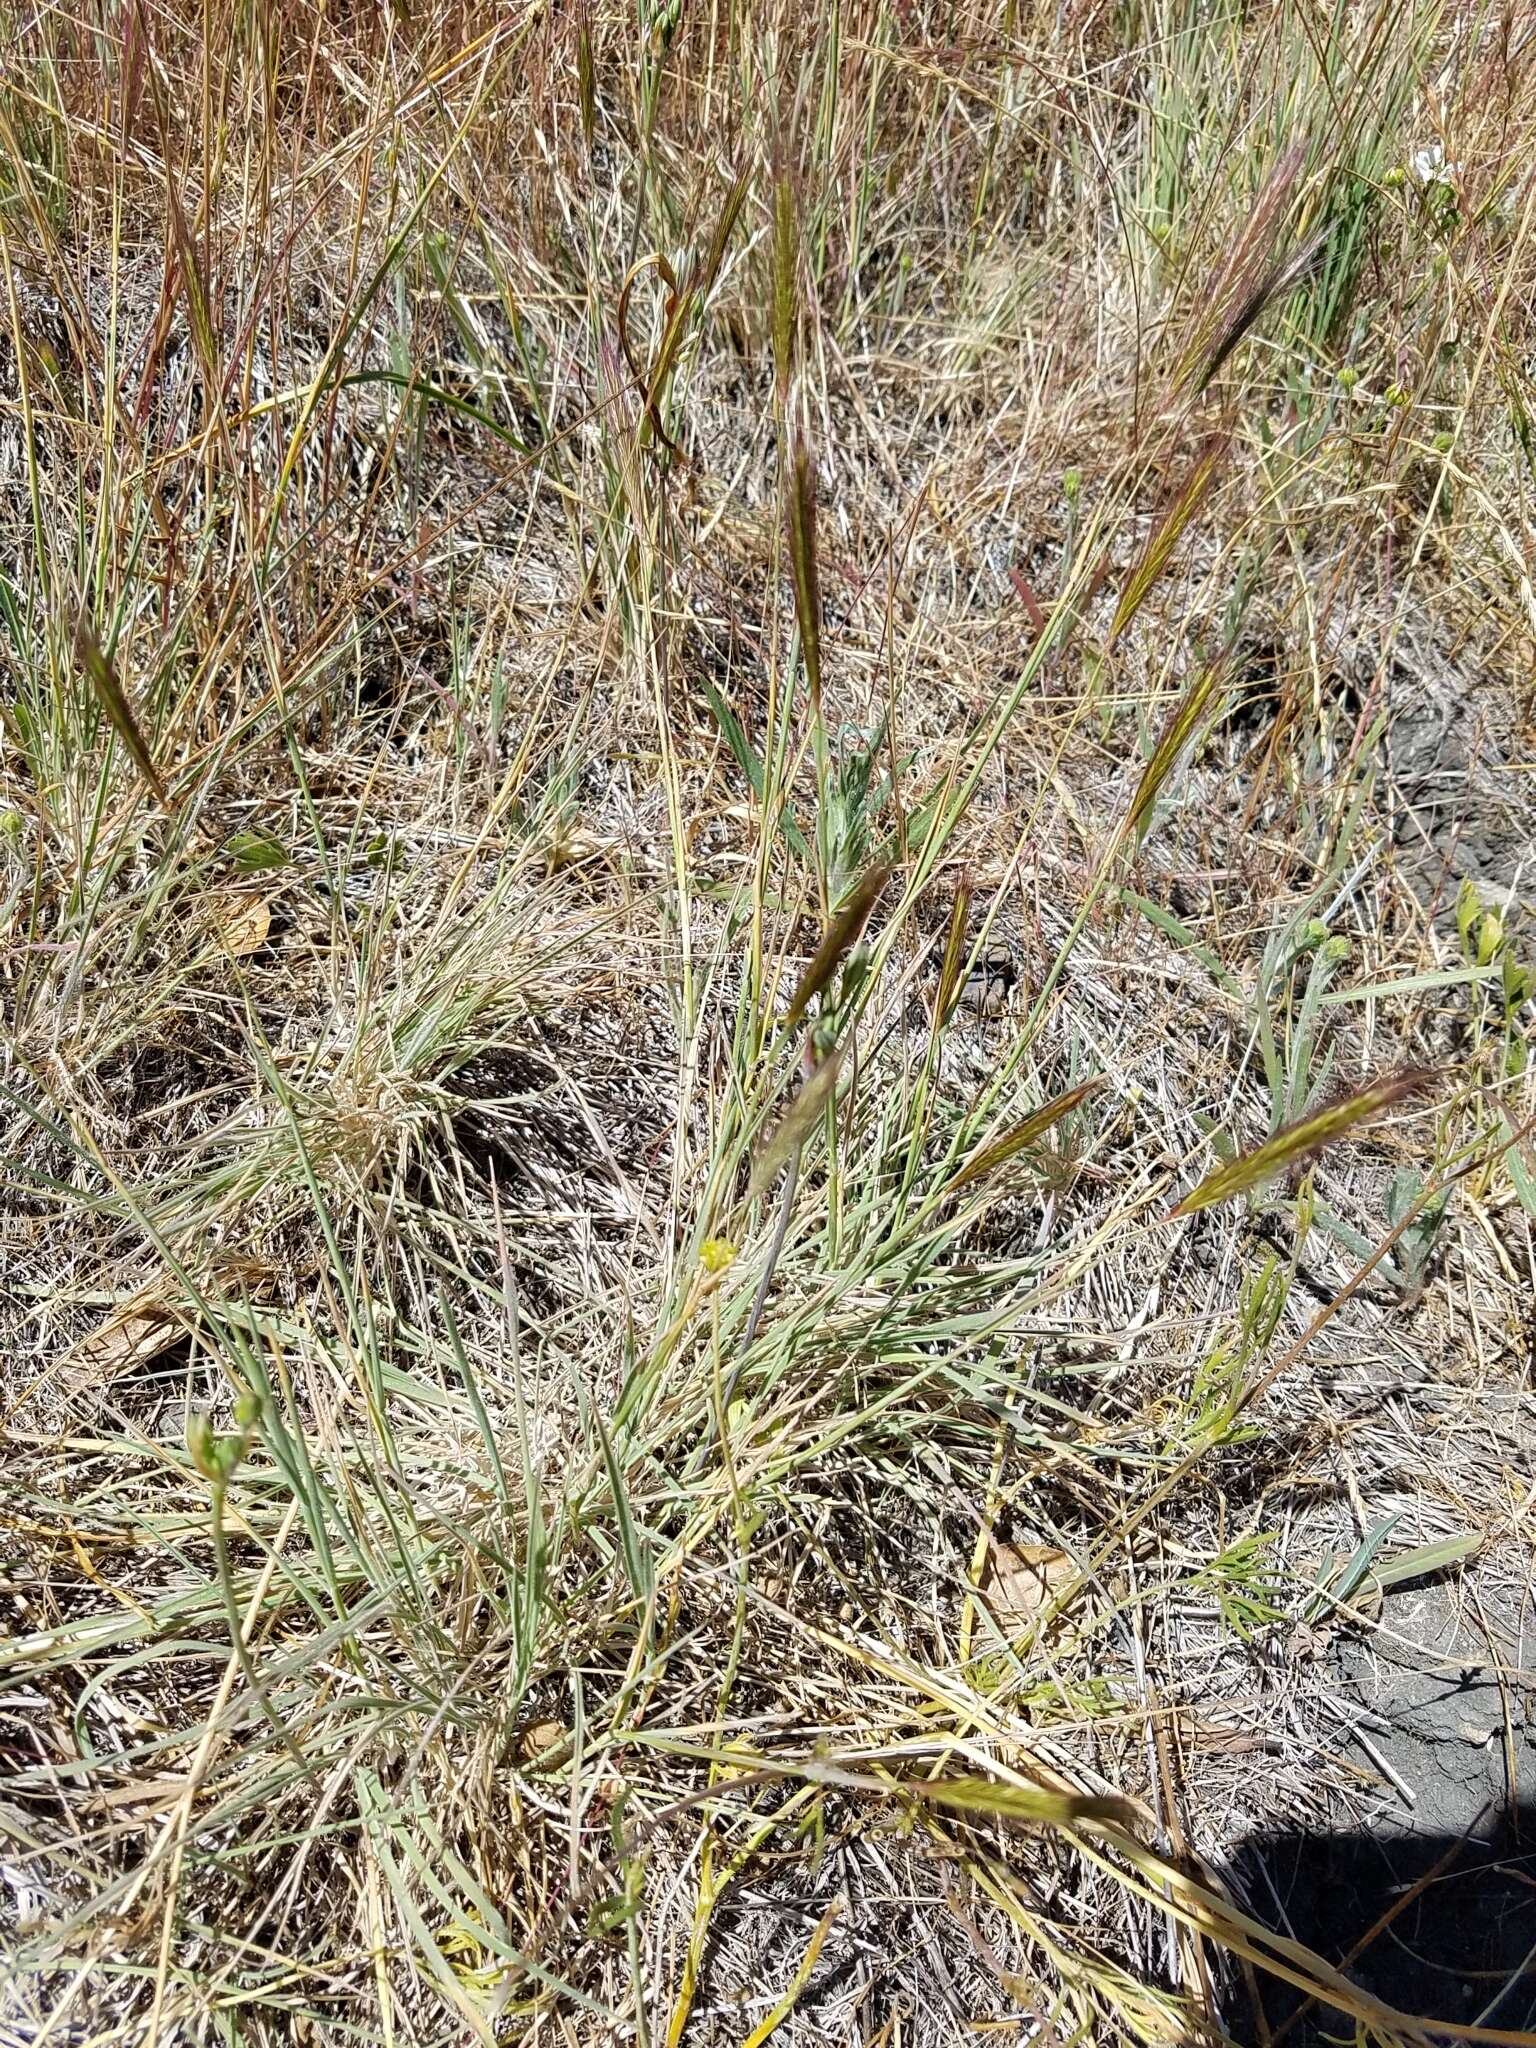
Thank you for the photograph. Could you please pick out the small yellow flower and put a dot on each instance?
(716, 1253)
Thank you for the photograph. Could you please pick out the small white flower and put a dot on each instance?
(1430, 167)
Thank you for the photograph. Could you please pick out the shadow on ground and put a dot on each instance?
(1439, 1925)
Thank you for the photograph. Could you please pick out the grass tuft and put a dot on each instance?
(597, 1441)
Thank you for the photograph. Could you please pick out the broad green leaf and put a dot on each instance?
(252, 852)
(1520, 1174)
(1428, 1557)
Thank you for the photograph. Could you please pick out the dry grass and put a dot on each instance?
(556, 1487)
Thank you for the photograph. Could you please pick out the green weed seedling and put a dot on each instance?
(1406, 1267)
(1245, 1583)
(1210, 1414)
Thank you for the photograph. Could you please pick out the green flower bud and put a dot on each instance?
(201, 1443)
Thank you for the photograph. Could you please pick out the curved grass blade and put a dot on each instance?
(786, 2005)
(682, 302)
(1308, 1135)
(750, 762)
(648, 385)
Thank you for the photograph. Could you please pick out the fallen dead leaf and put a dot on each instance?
(1212, 1740)
(539, 1738)
(241, 922)
(132, 1335)
(1022, 1579)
